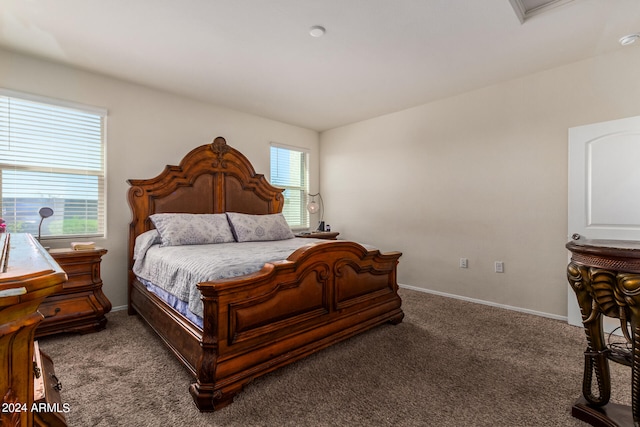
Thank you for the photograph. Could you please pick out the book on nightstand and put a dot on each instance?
(82, 246)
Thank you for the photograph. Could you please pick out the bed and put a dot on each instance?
(251, 324)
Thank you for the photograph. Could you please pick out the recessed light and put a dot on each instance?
(317, 31)
(629, 39)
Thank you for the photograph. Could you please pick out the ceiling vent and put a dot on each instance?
(525, 9)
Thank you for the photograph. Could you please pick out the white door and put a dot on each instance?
(604, 185)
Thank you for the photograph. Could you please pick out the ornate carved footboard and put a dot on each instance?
(323, 293)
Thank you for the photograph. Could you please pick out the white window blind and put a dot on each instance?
(289, 171)
(51, 155)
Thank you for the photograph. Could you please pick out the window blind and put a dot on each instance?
(289, 171)
(52, 155)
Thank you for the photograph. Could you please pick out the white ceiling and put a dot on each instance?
(256, 56)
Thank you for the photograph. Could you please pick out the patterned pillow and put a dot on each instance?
(192, 229)
(254, 228)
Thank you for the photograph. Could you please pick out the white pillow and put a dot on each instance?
(254, 228)
(192, 229)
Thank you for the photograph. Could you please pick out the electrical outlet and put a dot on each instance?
(464, 263)
(499, 267)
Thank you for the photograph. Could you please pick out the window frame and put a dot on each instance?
(304, 188)
(100, 174)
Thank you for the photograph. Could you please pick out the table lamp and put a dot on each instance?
(313, 207)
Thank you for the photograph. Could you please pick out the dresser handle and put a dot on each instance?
(58, 385)
(36, 370)
(56, 311)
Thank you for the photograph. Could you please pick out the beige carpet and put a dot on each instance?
(449, 363)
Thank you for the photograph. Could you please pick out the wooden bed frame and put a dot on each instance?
(323, 293)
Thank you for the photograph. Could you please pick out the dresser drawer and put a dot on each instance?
(53, 410)
(80, 280)
(82, 267)
(58, 310)
(78, 268)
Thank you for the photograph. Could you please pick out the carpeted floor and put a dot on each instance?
(449, 363)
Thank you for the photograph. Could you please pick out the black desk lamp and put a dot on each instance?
(44, 213)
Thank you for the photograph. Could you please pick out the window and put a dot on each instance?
(51, 154)
(289, 170)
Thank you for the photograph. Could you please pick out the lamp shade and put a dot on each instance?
(313, 207)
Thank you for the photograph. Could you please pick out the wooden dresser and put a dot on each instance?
(28, 274)
(81, 305)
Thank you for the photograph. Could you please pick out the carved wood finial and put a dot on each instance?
(220, 147)
(12, 418)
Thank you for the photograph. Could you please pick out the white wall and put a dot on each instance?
(482, 175)
(147, 129)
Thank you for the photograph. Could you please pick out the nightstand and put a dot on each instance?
(81, 305)
(326, 235)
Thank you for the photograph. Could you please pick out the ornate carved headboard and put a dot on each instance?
(212, 178)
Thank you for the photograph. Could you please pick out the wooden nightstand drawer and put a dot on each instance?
(78, 279)
(81, 305)
(75, 269)
(65, 308)
(80, 313)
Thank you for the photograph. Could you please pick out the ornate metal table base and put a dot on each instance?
(605, 275)
(609, 415)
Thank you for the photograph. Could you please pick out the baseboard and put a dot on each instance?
(492, 304)
(447, 295)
